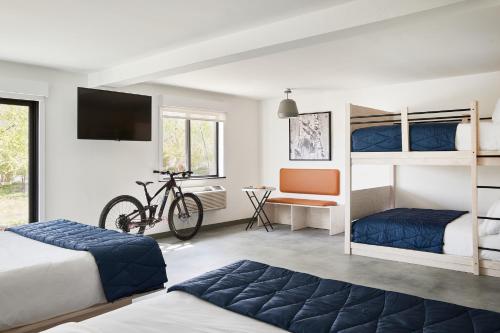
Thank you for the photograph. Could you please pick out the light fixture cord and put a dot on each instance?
(287, 91)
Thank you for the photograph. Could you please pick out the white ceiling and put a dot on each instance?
(87, 35)
(408, 50)
(254, 48)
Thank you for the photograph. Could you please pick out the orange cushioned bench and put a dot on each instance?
(299, 212)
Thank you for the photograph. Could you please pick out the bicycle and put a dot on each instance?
(127, 213)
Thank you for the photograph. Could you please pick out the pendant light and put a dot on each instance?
(288, 107)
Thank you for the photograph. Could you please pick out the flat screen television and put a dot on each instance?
(110, 115)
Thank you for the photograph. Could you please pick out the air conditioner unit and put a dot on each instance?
(212, 197)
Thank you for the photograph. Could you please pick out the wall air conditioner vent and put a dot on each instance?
(212, 197)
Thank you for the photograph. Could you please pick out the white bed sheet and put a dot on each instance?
(490, 242)
(457, 236)
(175, 312)
(489, 136)
(40, 281)
(458, 240)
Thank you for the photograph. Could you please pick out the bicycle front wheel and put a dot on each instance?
(185, 216)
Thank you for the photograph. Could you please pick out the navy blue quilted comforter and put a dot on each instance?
(128, 264)
(406, 228)
(300, 302)
(423, 137)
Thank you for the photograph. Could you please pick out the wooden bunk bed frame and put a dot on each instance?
(361, 203)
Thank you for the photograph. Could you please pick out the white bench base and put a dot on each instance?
(300, 216)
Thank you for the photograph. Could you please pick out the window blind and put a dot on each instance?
(192, 114)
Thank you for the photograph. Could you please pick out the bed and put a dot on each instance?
(450, 137)
(426, 137)
(42, 281)
(428, 234)
(248, 296)
(175, 312)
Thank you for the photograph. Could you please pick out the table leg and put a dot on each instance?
(259, 208)
(250, 223)
(261, 205)
(264, 212)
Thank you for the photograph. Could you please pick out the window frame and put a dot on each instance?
(188, 147)
(33, 153)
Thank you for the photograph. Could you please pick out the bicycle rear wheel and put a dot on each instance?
(185, 220)
(123, 213)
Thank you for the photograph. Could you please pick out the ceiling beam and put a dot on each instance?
(335, 22)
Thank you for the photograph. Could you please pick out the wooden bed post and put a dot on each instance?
(405, 130)
(347, 181)
(474, 206)
(405, 147)
(393, 175)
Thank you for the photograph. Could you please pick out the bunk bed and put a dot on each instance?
(444, 239)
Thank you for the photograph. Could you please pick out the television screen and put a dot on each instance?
(110, 115)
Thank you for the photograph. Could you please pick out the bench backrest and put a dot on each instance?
(310, 181)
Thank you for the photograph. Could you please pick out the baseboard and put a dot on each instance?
(204, 227)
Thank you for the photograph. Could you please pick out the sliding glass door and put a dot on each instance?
(18, 162)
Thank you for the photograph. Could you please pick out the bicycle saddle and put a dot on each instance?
(143, 184)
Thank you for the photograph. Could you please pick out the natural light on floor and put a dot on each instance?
(165, 247)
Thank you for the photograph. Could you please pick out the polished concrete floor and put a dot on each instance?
(314, 251)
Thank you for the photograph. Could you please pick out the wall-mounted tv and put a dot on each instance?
(110, 115)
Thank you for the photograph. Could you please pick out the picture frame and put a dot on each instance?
(310, 137)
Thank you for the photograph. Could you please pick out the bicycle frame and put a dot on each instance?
(169, 186)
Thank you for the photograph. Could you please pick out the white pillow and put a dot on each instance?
(491, 227)
(496, 113)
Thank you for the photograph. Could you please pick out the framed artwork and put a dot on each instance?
(310, 137)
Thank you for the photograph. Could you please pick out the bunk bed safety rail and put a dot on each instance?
(431, 130)
(488, 187)
(456, 115)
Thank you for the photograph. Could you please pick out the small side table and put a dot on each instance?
(258, 204)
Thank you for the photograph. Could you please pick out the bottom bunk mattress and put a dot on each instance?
(41, 281)
(456, 240)
(288, 300)
(405, 228)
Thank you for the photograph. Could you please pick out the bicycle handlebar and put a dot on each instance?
(184, 174)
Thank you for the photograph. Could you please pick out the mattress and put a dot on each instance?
(423, 137)
(300, 302)
(175, 312)
(426, 137)
(41, 281)
(458, 241)
(405, 228)
(128, 264)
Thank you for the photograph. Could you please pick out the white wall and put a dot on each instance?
(82, 175)
(417, 187)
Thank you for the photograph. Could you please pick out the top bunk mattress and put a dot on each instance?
(425, 137)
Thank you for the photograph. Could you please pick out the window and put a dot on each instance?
(192, 141)
(18, 162)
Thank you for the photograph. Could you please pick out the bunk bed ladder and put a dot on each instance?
(474, 119)
(487, 217)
